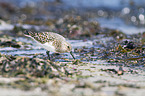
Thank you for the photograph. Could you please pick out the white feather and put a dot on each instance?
(48, 46)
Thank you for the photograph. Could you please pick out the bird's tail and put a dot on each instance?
(29, 33)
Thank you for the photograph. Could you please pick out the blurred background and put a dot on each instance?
(124, 15)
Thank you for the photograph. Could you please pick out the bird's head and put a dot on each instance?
(66, 47)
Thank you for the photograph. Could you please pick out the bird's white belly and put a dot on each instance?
(48, 45)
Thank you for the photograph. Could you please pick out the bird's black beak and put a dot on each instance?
(72, 55)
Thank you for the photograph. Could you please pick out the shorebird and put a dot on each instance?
(51, 42)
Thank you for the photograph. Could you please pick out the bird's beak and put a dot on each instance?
(72, 55)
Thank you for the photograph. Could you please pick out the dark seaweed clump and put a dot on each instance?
(118, 51)
(15, 66)
(28, 70)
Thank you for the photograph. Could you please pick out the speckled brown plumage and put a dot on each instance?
(44, 37)
(57, 40)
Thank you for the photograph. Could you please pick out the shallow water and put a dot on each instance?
(34, 49)
(87, 3)
(119, 24)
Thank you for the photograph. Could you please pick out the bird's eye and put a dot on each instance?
(67, 46)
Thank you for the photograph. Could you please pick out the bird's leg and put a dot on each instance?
(47, 52)
(72, 55)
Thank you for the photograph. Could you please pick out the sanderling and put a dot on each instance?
(51, 42)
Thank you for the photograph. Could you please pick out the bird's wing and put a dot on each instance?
(56, 36)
